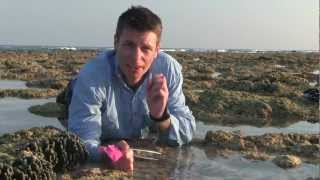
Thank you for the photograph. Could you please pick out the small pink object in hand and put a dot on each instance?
(112, 151)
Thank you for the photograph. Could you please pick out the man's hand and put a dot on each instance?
(157, 95)
(125, 163)
(120, 155)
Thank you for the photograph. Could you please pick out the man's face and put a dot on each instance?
(136, 52)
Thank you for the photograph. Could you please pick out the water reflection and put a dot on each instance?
(200, 163)
(14, 115)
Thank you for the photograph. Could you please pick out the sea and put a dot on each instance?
(75, 48)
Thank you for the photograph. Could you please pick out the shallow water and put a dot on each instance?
(302, 127)
(12, 84)
(14, 115)
(203, 166)
(186, 163)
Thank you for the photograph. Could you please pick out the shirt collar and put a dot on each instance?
(118, 73)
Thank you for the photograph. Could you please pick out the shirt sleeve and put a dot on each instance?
(85, 115)
(182, 121)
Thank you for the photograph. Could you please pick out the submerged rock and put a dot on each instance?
(287, 161)
(50, 109)
(39, 153)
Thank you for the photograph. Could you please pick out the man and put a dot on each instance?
(121, 93)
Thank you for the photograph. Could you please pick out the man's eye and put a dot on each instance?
(130, 45)
(146, 49)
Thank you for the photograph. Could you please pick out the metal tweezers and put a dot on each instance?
(147, 152)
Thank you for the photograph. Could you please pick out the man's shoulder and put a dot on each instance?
(101, 59)
(98, 68)
(165, 56)
(165, 60)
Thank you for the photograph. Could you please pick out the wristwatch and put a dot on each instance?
(165, 116)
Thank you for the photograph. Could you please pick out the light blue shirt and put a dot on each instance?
(104, 107)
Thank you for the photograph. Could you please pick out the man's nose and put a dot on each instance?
(137, 54)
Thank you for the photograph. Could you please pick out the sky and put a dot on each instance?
(211, 24)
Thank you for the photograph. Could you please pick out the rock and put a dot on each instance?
(50, 109)
(28, 93)
(48, 83)
(39, 153)
(224, 140)
(287, 161)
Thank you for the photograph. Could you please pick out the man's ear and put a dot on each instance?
(157, 50)
(115, 41)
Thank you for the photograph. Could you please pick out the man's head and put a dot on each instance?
(140, 19)
(137, 42)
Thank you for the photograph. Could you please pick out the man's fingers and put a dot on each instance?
(123, 145)
(126, 161)
(157, 84)
(159, 93)
(130, 157)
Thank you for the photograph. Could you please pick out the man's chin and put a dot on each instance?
(134, 82)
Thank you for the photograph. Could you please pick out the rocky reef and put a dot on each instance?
(49, 71)
(259, 89)
(39, 153)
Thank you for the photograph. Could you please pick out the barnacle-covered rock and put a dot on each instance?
(287, 161)
(38, 153)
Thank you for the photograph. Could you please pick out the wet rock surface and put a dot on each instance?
(265, 146)
(39, 153)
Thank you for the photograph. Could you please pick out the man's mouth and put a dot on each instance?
(135, 68)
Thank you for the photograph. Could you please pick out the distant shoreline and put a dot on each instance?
(75, 48)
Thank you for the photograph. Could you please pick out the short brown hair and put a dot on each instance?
(140, 19)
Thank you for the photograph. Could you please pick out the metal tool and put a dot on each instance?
(146, 152)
